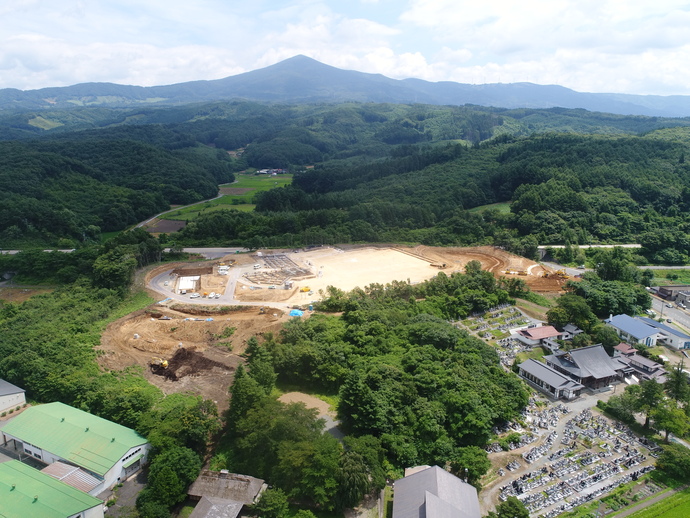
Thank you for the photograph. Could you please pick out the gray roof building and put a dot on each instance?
(434, 493)
(549, 380)
(229, 486)
(212, 507)
(591, 366)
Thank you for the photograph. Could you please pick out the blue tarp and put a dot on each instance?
(296, 313)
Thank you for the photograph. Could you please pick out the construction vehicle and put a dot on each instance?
(305, 289)
(522, 272)
(440, 266)
(262, 310)
(158, 365)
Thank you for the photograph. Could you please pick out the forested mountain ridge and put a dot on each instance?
(381, 172)
(304, 80)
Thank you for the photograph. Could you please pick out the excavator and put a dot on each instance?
(158, 365)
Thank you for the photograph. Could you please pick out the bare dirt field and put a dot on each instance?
(230, 191)
(359, 267)
(205, 361)
(167, 226)
(321, 406)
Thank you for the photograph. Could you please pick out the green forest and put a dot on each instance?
(362, 173)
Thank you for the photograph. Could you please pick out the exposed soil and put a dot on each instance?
(167, 226)
(320, 405)
(19, 295)
(202, 360)
(230, 191)
(362, 266)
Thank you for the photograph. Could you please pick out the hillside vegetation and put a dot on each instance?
(382, 172)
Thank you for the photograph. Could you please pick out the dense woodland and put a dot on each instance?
(381, 172)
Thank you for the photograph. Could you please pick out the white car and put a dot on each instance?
(217, 295)
(194, 296)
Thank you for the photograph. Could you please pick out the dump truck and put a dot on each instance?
(305, 289)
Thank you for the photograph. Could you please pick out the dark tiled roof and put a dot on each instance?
(434, 493)
(548, 375)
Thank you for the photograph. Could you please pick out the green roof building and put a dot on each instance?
(27, 493)
(58, 432)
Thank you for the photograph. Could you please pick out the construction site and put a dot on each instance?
(193, 344)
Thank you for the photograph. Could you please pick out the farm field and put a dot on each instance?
(676, 506)
(668, 277)
(236, 195)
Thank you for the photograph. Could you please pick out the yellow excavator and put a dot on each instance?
(158, 364)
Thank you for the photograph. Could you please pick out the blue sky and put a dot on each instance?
(620, 46)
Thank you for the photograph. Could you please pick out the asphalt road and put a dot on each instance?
(678, 316)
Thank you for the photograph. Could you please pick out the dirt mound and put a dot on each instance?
(216, 345)
(188, 362)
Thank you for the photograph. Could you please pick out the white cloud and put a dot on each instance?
(588, 45)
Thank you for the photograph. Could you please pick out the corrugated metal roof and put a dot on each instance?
(6, 388)
(665, 328)
(26, 492)
(539, 333)
(410, 498)
(81, 438)
(72, 476)
(632, 326)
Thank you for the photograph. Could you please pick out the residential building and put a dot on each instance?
(548, 380)
(591, 366)
(633, 330)
(537, 335)
(223, 494)
(56, 432)
(434, 493)
(670, 292)
(27, 493)
(643, 368)
(11, 396)
(668, 335)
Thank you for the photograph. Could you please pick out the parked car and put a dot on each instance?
(194, 296)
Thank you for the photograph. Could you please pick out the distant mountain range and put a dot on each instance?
(304, 80)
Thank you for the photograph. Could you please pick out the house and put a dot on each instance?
(668, 335)
(537, 335)
(434, 493)
(590, 366)
(10, 396)
(223, 494)
(548, 380)
(56, 432)
(671, 292)
(643, 368)
(633, 331)
(28, 493)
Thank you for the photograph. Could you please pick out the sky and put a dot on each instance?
(616, 46)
